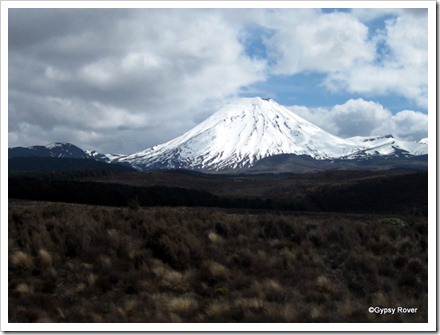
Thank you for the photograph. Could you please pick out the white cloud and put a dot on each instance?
(358, 117)
(410, 124)
(313, 41)
(403, 70)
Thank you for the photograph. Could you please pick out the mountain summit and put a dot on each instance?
(240, 134)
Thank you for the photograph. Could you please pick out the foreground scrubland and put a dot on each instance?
(83, 263)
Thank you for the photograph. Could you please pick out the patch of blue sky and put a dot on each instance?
(253, 39)
(383, 52)
(379, 23)
(299, 89)
(377, 31)
(395, 103)
(303, 89)
(306, 89)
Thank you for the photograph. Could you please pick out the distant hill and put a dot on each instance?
(60, 157)
(48, 164)
(64, 150)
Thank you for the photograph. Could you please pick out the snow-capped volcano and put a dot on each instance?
(240, 134)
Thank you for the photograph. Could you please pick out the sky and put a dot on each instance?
(123, 80)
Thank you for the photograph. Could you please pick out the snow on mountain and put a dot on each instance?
(386, 146)
(108, 158)
(56, 145)
(240, 134)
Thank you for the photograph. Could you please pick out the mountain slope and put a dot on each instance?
(240, 134)
(387, 146)
(107, 158)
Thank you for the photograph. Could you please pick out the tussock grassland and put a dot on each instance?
(79, 263)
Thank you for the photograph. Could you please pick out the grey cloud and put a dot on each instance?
(102, 71)
(418, 12)
(358, 117)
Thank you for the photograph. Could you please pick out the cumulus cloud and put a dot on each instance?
(410, 125)
(358, 117)
(318, 42)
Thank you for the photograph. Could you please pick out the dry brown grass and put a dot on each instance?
(21, 259)
(72, 263)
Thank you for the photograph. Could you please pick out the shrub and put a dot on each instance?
(182, 305)
(219, 311)
(215, 238)
(70, 263)
(175, 245)
(45, 257)
(218, 270)
(21, 259)
(324, 284)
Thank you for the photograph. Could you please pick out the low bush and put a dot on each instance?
(77, 263)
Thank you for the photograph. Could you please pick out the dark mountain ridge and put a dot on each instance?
(57, 149)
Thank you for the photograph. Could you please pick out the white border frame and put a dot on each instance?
(266, 327)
